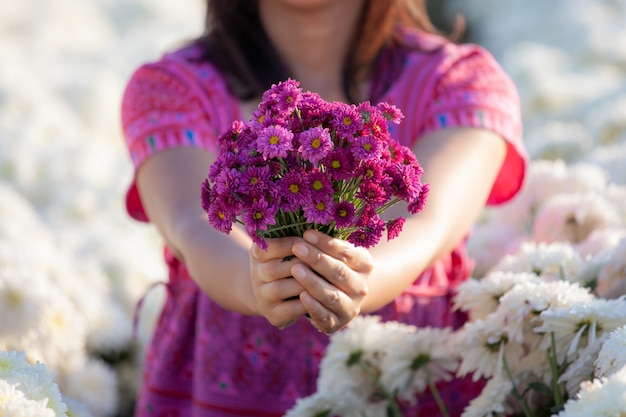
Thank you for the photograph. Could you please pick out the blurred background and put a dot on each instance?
(73, 265)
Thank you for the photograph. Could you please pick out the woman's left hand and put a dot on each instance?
(335, 276)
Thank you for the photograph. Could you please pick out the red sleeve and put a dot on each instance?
(472, 90)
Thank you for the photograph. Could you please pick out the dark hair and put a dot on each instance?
(235, 41)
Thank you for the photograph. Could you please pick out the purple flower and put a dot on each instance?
(207, 197)
(366, 147)
(394, 227)
(255, 180)
(344, 214)
(228, 181)
(416, 205)
(288, 96)
(346, 120)
(260, 215)
(274, 142)
(320, 184)
(220, 217)
(390, 112)
(315, 143)
(339, 164)
(319, 210)
(225, 161)
(293, 190)
(372, 193)
(228, 140)
(371, 170)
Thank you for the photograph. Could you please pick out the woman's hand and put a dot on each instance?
(276, 291)
(334, 277)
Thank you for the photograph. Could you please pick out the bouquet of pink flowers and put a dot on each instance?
(302, 162)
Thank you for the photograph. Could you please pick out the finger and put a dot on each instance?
(326, 294)
(322, 318)
(274, 269)
(277, 248)
(280, 290)
(359, 259)
(332, 269)
(286, 313)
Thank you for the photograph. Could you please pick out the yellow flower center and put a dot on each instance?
(369, 173)
(254, 180)
(258, 215)
(294, 188)
(261, 118)
(335, 164)
(347, 121)
(221, 215)
(343, 213)
(317, 185)
(316, 143)
(320, 206)
(274, 140)
(367, 146)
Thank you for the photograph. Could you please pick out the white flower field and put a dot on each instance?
(550, 273)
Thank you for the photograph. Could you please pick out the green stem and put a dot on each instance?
(558, 397)
(527, 411)
(438, 399)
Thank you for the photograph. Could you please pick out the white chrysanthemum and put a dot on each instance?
(580, 324)
(490, 241)
(523, 303)
(617, 195)
(581, 369)
(491, 400)
(76, 408)
(572, 217)
(341, 404)
(604, 397)
(612, 276)
(33, 380)
(348, 350)
(554, 261)
(600, 241)
(13, 403)
(21, 302)
(94, 384)
(612, 355)
(422, 358)
(484, 346)
(480, 297)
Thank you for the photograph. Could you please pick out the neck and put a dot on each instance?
(313, 40)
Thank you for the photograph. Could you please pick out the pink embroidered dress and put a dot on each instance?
(205, 361)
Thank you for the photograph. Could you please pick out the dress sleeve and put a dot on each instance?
(168, 104)
(162, 109)
(472, 90)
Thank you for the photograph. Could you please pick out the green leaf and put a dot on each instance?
(354, 358)
(540, 388)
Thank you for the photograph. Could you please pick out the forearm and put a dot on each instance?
(218, 263)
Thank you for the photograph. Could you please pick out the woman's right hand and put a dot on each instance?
(275, 290)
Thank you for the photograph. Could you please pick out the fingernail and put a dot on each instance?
(298, 271)
(311, 237)
(300, 249)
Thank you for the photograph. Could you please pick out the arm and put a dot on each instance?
(169, 185)
(460, 165)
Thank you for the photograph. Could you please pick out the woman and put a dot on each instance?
(234, 338)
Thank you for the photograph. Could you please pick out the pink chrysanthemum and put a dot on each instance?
(220, 217)
(394, 227)
(390, 112)
(372, 193)
(366, 147)
(260, 215)
(319, 210)
(274, 142)
(320, 184)
(255, 180)
(293, 190)
(339, 164)
(315, 144)
(418, 203)
(346, 120)
(344, 213)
